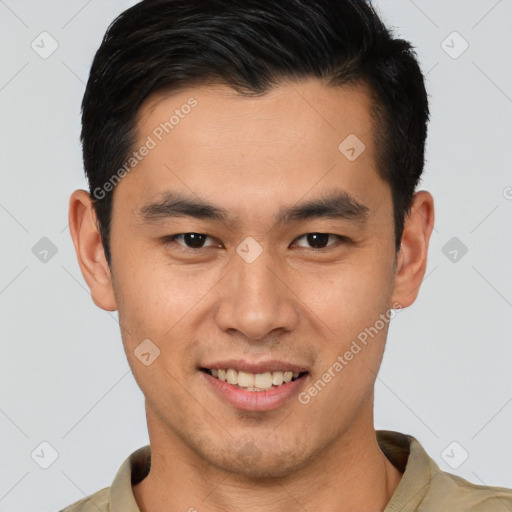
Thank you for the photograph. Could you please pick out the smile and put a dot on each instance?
(254, 381)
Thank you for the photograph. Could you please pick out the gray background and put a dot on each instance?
(447, 373)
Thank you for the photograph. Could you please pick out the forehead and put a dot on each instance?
(292, 112)
(293, 137)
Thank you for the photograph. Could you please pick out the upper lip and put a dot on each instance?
(273, 365)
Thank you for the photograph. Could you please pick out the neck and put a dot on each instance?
(349, 474)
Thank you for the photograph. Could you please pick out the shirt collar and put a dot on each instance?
(417, 468)
(134, 469)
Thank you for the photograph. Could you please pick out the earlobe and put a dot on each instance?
(412, 256)
(89, 250)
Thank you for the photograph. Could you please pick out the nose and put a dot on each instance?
(256, 299)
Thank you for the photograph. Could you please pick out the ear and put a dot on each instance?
(83, 225)
(412, 256)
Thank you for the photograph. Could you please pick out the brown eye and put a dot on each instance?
(316, 240)
(191, 240)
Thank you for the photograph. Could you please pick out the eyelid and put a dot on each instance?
(341, 239)
(172, 238)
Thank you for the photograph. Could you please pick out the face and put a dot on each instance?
(245, 239)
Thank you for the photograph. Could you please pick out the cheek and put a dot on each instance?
(154, 295)
(168, 305)
(350, 296)
(350, 300)
(156, 303)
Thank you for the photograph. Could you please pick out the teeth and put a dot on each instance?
(231, 376)
(263, 380)
(254, 382)
(277, 378)
(245, 380)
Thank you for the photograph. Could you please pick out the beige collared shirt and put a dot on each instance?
(423, 487)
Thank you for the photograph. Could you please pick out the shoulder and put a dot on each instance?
(97, 502)
(424, 486)
(463, 495)
(119, 496)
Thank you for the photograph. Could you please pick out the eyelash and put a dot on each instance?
(340, 238)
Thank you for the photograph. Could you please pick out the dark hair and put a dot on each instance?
(252, 45)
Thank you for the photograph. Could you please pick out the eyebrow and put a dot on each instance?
(334, 205)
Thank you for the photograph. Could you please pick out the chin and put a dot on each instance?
(252, 463)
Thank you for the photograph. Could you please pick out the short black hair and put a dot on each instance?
(252, 46)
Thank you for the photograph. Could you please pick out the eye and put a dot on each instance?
(190, 240)
(319, 240)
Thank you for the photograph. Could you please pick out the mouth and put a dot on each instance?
(256, 382)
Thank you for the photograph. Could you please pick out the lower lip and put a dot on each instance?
(255, 400)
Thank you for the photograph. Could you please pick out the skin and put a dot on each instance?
(295, 302)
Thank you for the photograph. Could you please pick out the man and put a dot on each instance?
(253, 217)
